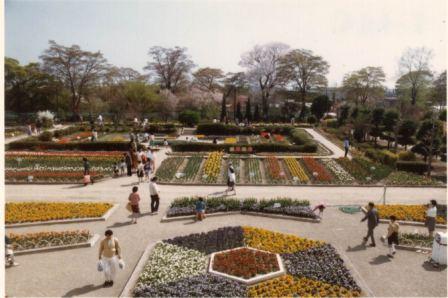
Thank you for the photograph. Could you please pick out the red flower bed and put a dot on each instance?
(64, 153)
(274, 170)
(81, 135)
(264, 134)
(245, 263)
(313, 166)
(279, 138)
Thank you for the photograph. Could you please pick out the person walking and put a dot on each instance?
(86, 166)
(108, 253)
(231, 180)
(372, 222)
(431, 215)
(128, 161)
(392, 235)
(154, 193)
(134, 199)
(346, 146)
(152, 139)
(9, 253)
(122, 165)
(147, 169)
(140, 171)
(200, 209)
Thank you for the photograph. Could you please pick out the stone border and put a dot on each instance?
(104, 217)
(91, 242)
(132, 281)
(406, 222)
(253, 280)
(413, 248)
(270, 215)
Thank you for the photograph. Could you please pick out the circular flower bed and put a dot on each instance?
(245, 262)
(177, 267)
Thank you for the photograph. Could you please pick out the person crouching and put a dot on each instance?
(200, 209)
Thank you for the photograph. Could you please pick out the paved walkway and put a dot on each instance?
(24, 136)
(337, 152)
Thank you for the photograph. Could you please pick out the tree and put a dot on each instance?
(257, 113)
(78, 70)
(262, 69)
(233, 82)
(429, 135)
(239, 115)
(439, 89)
(343, 114)
(390, 121)
(412, 92)
(248, 110)
(141, 98)
(406, 131)
(189, 117)
(376, 121)
(414, 69)
(321, 104)
(170, 66)
(207, 79)
(305, 70)
(364, 85)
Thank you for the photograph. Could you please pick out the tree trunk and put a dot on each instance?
(413, 95)
(265, 106)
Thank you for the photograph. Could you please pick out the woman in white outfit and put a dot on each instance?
(109, 251)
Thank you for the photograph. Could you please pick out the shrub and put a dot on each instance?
(46, 136)
(87, 146)
(406, 156)
(189, 118)
(332, 123)
(418, 167)
(382, 156)
(300, 137)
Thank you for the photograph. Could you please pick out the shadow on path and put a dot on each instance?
(130, 184)
(358, 247)
(120, 224)
(428, 266)
(75, 186)
(82, 290)
(142, 214)
(380, 260)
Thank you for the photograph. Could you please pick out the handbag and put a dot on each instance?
(129, 207)
(121, 264)
(99, 266)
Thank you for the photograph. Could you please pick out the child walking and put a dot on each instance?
(392, 235)
(140, 172)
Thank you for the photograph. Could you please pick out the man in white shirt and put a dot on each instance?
(154, 193)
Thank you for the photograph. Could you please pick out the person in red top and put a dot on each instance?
(134, 199)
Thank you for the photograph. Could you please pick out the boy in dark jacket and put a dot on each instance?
(372, 221)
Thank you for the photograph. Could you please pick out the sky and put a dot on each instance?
(349, 34)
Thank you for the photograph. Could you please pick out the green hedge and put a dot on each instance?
(231, 129)
(300, 137)
(87, 146)
(199, 146)
(418, 167)
(383, 156)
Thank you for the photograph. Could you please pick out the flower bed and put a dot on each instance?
(48, 176)
(252, 170)
(212, 167)
(285, 206)
(175, 268)
(376, 171)
(168, 168)
(354, 169)
(320, 174)
(45, 211)
(406, 178)
(296, 170)
(273, 169)
(191, 169)
(236, 166)
(48, 239)
(407, 212)
(75, 137)
(230, 141)
(415, 240)
(289, 286)
(245, 263)
(338, 171)
(65, 153)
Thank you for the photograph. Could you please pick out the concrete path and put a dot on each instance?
(337, 152)
(24, 136)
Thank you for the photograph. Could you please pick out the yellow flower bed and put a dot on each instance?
(200, 136)
(44, 211)
(296, 169)
(230, 141)
(276, 242)
(288, 286)
(406, 212)
(212, 167)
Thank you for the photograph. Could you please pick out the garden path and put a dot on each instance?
(24, 136)
(337, 152)
(73, 272)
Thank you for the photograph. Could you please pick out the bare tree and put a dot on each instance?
(79, 70)
(304, 70)
(171, 66)
(207, 79)
(261, 64)
(439, 89)
(364, 85)
(414, 66)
